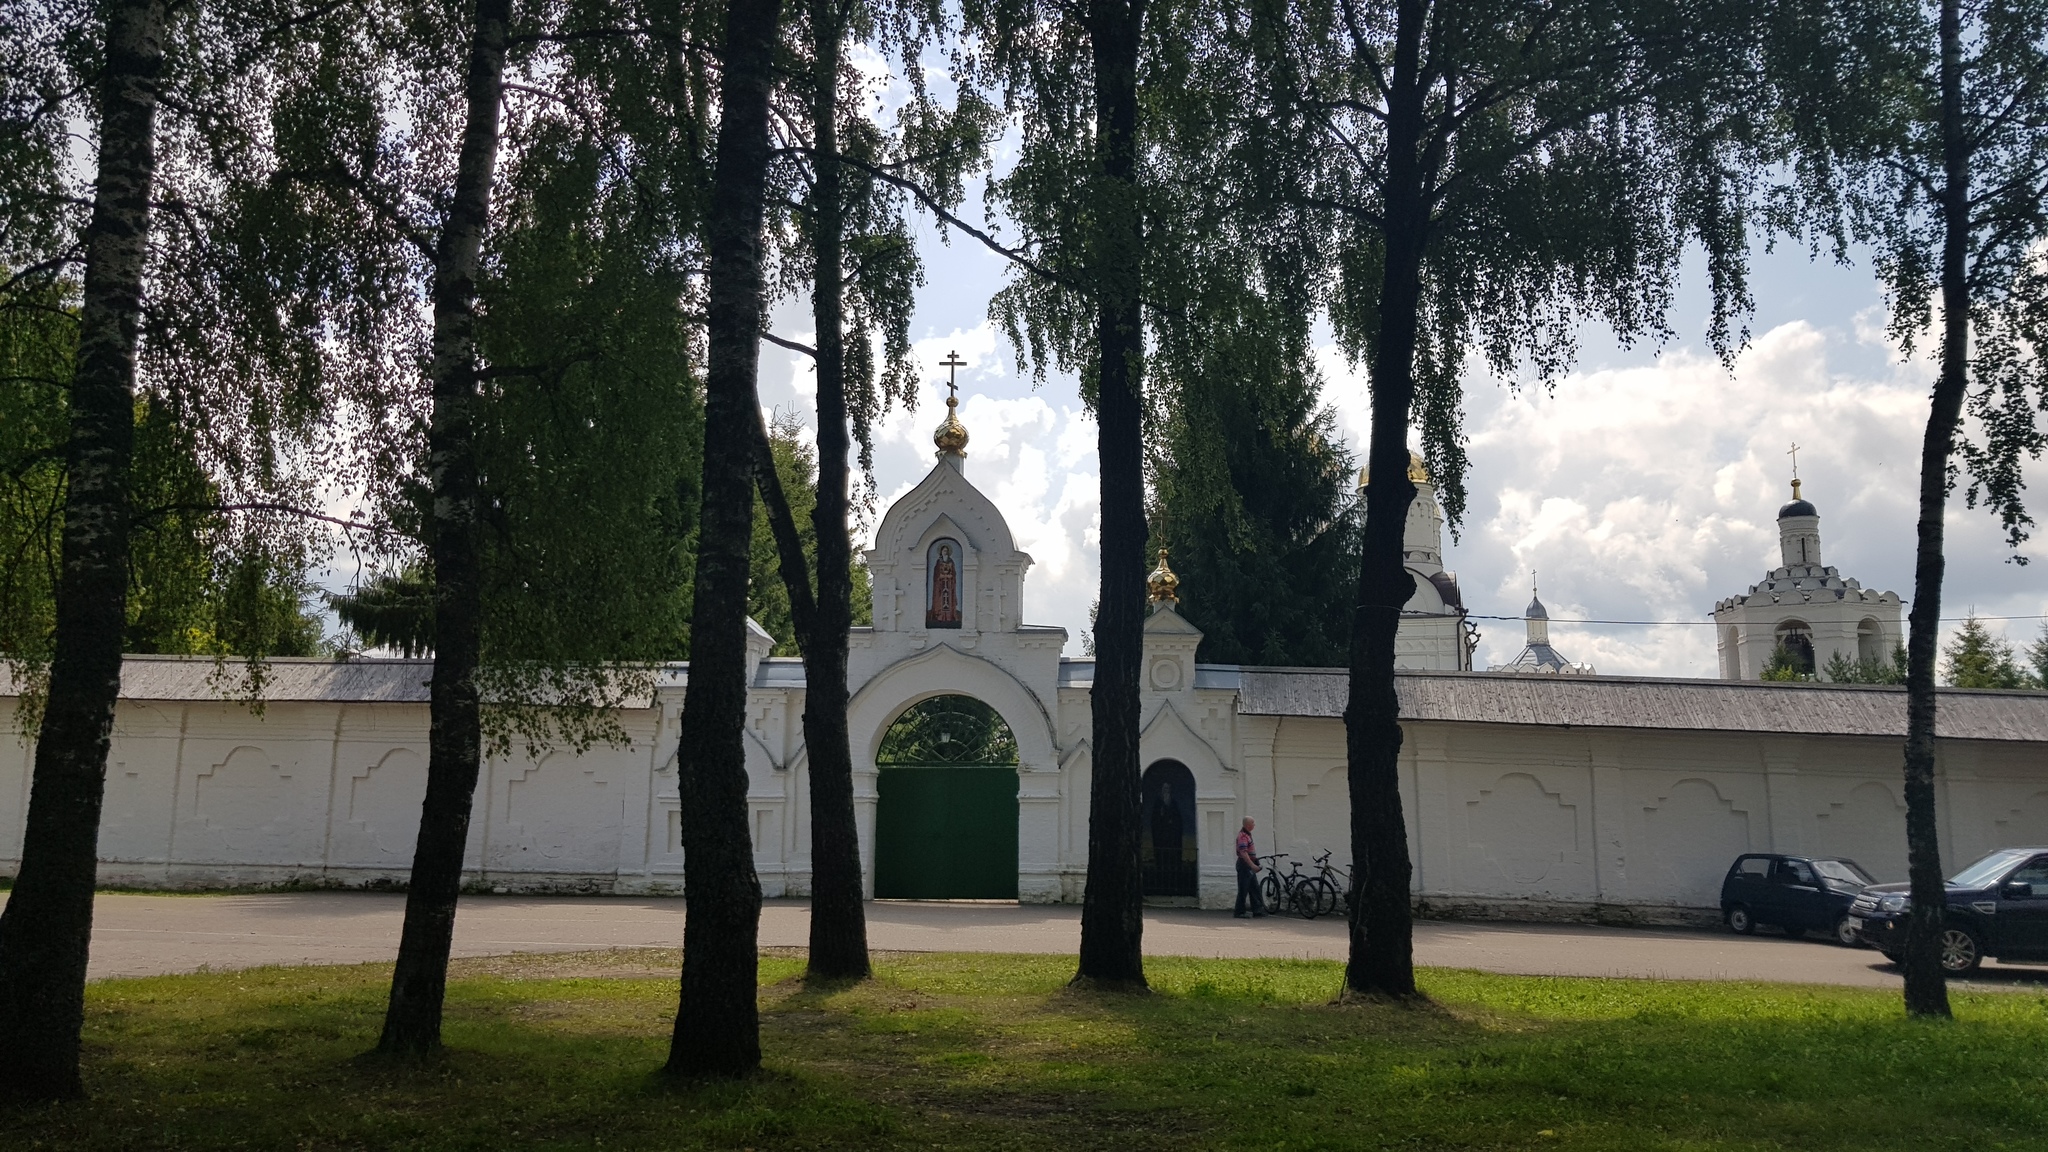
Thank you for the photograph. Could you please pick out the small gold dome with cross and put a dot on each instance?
(951, 435)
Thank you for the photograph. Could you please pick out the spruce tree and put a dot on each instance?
(1977, 659)
(1254, 492)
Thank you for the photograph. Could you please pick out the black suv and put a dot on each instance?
(1795, 893)
(1997, 907)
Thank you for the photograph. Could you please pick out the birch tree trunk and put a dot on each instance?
(1926, 984)
(717, 1029)
(412, 1019)
(1382, 955)
(1112, 910)
(839, 930)
(46, 931)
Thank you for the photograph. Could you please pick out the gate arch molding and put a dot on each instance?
(946, 671)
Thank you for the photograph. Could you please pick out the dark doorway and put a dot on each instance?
(1167, 820)
(946, 804)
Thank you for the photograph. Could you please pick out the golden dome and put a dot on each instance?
(951, 435)
(1163, 584)
(1418, 472)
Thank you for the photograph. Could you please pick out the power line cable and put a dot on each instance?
(1668, 623)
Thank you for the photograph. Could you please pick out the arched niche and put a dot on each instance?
(1168, 831)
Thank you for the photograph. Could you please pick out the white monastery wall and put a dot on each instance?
(1523, 820)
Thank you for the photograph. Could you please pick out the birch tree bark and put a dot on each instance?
(717, 1029)
(46, 930)
(419, 981)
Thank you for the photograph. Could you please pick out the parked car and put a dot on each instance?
(1797, 894)
(1997, 907)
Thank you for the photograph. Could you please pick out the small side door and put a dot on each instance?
(2022, 920)
(1801, 900)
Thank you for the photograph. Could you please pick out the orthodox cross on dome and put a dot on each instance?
(1793, 452)
(952, 364)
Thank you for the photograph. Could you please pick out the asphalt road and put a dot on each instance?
(144, 935)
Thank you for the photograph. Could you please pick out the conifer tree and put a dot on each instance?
(1977, 659)
(1254, 492)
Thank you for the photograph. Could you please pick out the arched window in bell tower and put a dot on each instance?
(1795, 637)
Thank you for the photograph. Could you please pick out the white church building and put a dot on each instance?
(1526, 794)
(1807, 607)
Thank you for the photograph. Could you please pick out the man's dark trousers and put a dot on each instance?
(1248, 890)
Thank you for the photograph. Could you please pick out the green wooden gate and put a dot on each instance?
(946, 804)
(946, 832)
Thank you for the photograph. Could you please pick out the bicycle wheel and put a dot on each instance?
(1270, 892)
(1316, 897)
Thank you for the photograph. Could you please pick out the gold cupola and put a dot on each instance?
(1162, 584)
(951, 435)
(1418, 472)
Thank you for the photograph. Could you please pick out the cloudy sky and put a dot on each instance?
(1644, 487)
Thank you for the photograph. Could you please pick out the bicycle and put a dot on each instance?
(1320, 894)
(1303, 892)
(1295, 891)
(1274, 889)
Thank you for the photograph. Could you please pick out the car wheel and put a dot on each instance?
(1845, 935)
(1792, 933)
(1959, 951)
(1741, 921)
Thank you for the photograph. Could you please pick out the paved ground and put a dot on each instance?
(137, 935)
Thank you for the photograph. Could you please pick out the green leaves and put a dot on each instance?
(1888, 156)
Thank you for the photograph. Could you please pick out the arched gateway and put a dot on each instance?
(946, 804)
(957, 762)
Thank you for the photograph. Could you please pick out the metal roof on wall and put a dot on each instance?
(1464, 697)
(361, 680)
(1642, 702)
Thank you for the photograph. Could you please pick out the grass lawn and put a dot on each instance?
(991, 1052)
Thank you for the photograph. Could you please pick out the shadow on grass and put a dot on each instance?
(994, 1052)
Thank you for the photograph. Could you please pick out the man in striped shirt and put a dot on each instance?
(1249, 903)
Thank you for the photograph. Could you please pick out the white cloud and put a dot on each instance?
(1648, 492)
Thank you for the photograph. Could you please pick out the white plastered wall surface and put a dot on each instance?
(1529, 796)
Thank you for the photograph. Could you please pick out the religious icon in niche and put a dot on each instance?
(942, 584)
